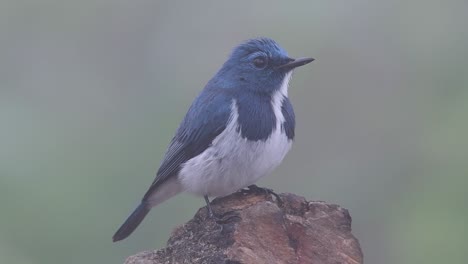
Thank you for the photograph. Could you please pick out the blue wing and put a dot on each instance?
(204, 121)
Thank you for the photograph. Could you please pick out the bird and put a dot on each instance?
(237, 130)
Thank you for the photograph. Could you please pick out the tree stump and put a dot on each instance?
(257, 227)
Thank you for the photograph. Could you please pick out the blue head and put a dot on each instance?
(258, 65)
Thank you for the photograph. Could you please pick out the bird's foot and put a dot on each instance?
(222, 218)
(227, 217)
(265, 191)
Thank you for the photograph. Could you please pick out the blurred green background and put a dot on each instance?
(92, 91)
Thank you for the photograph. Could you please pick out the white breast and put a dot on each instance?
(233, 162)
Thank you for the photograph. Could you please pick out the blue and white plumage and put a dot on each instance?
(237, 130)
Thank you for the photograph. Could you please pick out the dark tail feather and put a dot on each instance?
(132, 222)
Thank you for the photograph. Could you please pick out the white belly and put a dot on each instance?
(233, 162)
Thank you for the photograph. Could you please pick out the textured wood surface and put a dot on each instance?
(256, 227)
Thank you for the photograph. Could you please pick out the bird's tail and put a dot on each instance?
(132, 222)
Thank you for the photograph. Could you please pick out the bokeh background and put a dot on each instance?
(92, 91)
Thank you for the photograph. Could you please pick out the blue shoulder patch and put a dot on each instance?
(289, 118)
(256, 117)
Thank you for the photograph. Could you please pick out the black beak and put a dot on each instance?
(295, 63)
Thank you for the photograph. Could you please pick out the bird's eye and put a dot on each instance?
(260, 62)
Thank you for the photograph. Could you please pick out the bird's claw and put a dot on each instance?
(230, 216)
(266, 191)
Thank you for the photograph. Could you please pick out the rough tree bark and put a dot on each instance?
(256, 227)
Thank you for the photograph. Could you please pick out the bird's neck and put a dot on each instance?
(283, 89)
